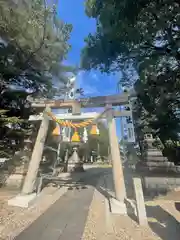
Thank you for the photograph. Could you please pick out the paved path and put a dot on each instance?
(65, 219)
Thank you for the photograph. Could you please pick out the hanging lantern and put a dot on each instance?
(75, 137)
(56, 131)
(94, 130)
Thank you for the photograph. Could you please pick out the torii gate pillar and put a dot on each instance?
(26, 198)
(118, 176)
(36, 157)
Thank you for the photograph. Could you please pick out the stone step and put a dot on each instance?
(159, 164)
(156, 158)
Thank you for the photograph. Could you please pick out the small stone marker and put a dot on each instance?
(140, 204)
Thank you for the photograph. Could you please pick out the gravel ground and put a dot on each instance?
(98, 227)
(6, 212)
(163, 219)
(95, 224)
(22, 218)
(14, 220)
(130, 230)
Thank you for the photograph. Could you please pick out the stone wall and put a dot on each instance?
(13, 176)
(160, 184)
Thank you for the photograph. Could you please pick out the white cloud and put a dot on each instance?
(79, 79)
(88, 90)
(87, 81)
(94, 76)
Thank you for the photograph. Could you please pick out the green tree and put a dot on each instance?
(129, 30)
(157, 104)
(142, 36)
(33, 44)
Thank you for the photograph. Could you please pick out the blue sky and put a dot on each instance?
(93, 82)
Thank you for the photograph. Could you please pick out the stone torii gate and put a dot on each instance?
(108, 102)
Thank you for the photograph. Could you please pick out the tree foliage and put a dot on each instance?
(128, 29)
(156, 106)
(33, 44)
(143, 36)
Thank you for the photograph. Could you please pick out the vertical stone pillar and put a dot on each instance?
(140, 203)
(36, 157)
(118, 176)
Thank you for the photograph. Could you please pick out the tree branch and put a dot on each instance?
(43, 38)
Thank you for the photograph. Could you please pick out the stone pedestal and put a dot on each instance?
(117, 207)
(23, 201)
(74, 162)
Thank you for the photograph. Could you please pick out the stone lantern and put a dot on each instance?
(74, 162)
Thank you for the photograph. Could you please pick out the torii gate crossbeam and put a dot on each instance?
(108, 102)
